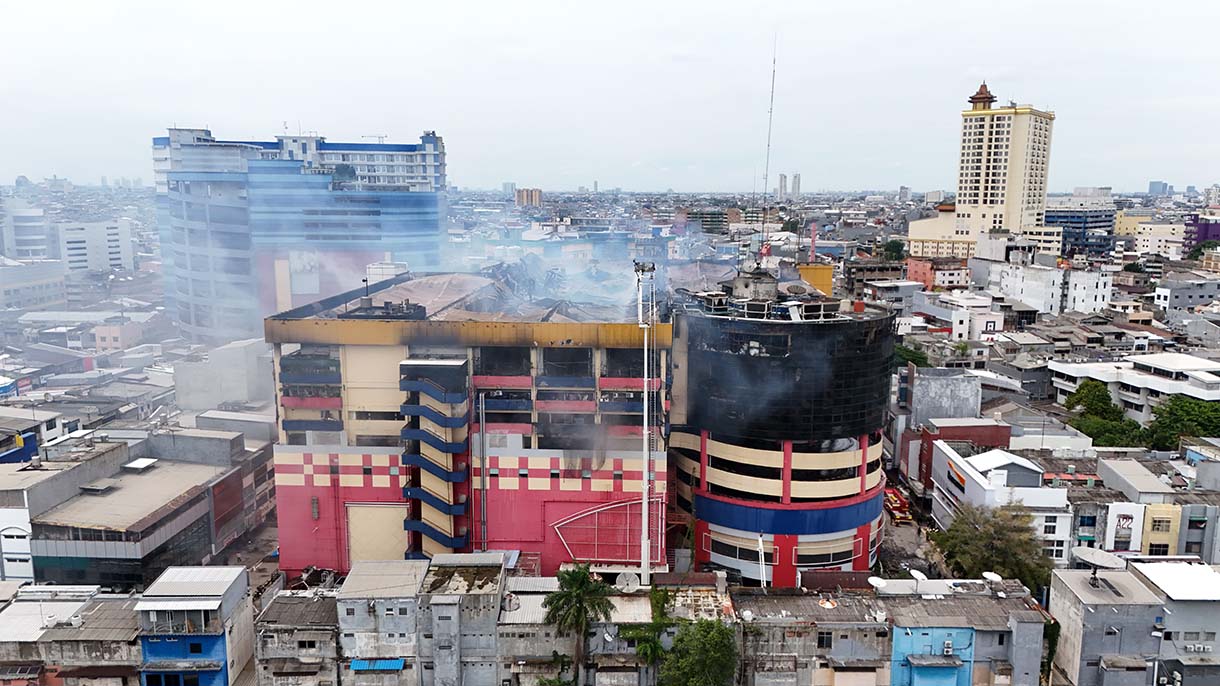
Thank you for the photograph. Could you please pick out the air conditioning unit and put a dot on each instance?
(1199, 647)
(1207, 649)
(1189, 648)
(948, 651)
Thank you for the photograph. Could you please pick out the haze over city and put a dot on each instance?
(639, 95)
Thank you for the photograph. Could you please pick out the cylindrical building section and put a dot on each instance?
(779, 400)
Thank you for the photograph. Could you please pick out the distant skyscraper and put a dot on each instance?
(796, 185)
(509, 189)
(1158, 188)
(1211, 196)
(1004, 156)
(904, 193)
(594, 185)
(104, 184)
(782, 194)
(249, 228)
(27, 236)
(529, 197)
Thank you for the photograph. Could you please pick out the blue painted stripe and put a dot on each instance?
(432, 391)
(237, 177)
(433, 416)
(435, 534)
(435, 441)
(160, 140)
(454, 477)
(455, 509)
(788, 521)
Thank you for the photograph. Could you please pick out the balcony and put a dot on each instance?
(507, 405)
(631, 406)
(332, 378)
(424, 496)
(566, 382)
(565, 406)
(433, 416)
(455, 542)
(313, 425)
(313, 403)
(454, 477)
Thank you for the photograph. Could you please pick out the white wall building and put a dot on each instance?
(1052, 290)
(969, 315)
(1002, 176)
(25, 231)
(96, 246)
(996, 478)
(1141, 382)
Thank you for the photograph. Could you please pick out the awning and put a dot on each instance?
(394, 665)
(934, 660)
(1086, 537)
(210, 604)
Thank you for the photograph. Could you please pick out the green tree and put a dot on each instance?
(903, 355)
(893, 250)
(999, 540)
(704, 654)
(1093, 397)
(580, 601)
(344, 172)
(1179, 416)
(1134, 267)
(1197, 252)
(1100, 419)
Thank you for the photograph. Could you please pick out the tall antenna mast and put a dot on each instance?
(767, 162)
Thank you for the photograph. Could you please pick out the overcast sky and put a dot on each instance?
(646, 96)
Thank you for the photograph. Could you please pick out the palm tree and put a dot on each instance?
(580, 601)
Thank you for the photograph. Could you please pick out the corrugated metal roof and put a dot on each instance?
(524, 609)
(194, 581)
(533, 584)
(109, 619)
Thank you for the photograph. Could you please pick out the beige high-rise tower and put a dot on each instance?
(1001, 183)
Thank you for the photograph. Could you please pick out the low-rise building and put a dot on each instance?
(996, 478)
(1141, 382)
(196, 627)
(1107, 634)
(298, 639)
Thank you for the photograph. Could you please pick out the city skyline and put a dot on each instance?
(875, 120)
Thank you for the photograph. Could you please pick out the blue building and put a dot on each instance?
(963, 632)
(249, 228)
(196, 627)
(1087, 230)
(18, 439)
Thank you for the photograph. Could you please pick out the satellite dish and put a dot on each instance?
(876, 582)
(796, 289)
(993, 577)
(1098, 558)
(918, 575)
(747, 615)
(628, 582)
(511, 602)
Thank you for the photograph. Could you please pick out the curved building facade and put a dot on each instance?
(778, 407)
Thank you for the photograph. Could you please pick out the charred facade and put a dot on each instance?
(779, 399)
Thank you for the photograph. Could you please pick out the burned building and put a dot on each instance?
(779, 398)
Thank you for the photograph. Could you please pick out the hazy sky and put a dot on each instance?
(645, 96)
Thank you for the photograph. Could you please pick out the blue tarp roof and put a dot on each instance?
(394, 665)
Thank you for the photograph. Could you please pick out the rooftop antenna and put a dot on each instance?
(365, 281)
(379, 136)
(767, 160)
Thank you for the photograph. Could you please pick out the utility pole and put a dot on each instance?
(644, 313)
